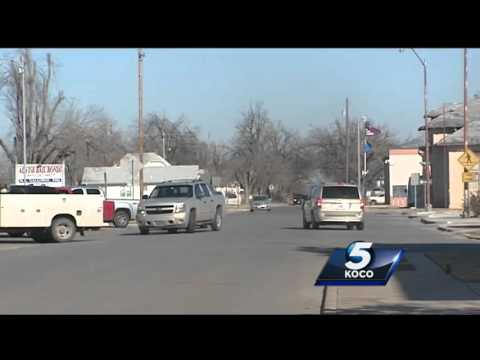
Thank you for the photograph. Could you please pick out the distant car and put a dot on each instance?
(231, 199)
(376, 197)
(297, 199)
(260, 202)
(333, 204)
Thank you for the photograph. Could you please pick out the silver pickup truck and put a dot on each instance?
(174, 205)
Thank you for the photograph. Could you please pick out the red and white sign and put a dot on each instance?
(40, 174)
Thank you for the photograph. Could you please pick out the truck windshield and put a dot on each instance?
(185, 191)
(340, 192)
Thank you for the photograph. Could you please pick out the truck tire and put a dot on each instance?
(217, 221)
(315, 224)
(360, 226)
(144, 230)
(192, 221)
(121, 218)
(306, 224)
(62, 230)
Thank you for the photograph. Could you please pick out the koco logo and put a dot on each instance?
(358, 256)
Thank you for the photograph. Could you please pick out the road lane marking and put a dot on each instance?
(14, 247)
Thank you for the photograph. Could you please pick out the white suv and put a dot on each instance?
(333, 204)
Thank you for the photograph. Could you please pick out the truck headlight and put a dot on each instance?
(141, 211)
(179, 208)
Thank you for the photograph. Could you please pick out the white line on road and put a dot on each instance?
(7, 248)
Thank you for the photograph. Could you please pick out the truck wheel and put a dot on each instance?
(349, 226)
(62, 229)
(373, 202)
(192, 221)
(315, 224)
(306, 224)
(360, 226)
(144, 230)
(121, 218)
(217, 221)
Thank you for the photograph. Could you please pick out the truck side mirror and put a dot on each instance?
(144, 197)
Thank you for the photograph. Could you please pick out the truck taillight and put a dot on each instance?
(318, 202)
(108, 210)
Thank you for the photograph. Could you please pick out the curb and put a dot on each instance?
(472, 236)
(425, 221)
(445, 228)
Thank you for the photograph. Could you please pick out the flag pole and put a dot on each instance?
(364, 158)
(359, 173)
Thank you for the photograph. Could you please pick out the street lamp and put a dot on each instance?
(426, 170)
(21, 71)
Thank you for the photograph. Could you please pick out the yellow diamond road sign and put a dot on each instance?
(468, 159)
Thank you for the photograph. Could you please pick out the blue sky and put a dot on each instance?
(301, 87)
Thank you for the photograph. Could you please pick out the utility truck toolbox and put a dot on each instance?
(50, 217)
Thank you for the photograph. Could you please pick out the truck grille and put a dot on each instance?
(160, 209)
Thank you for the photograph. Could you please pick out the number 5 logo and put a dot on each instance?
(358, 250)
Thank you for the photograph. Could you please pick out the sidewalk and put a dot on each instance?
(474, 235)
(425, 283)
(434, 213)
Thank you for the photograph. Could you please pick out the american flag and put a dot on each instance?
(370, 130)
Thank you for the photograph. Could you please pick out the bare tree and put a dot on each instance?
(88, 138)
(183, 145)
(248, 150)
(41, 109)
(328, 145)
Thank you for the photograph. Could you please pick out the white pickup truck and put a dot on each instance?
(50, 217)
(124, 209)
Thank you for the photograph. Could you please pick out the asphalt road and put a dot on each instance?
(260, 263)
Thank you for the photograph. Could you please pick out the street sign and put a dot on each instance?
(40, 174)
(468, 159)
(415, 179)
(467, 176)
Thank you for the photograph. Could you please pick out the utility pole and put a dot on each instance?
(359, 172)
(445, 161)
(15, 156)
(163, 144)
(141, 55)
(21, 71)
(364, 156)
(466, 201)
(347, 152)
